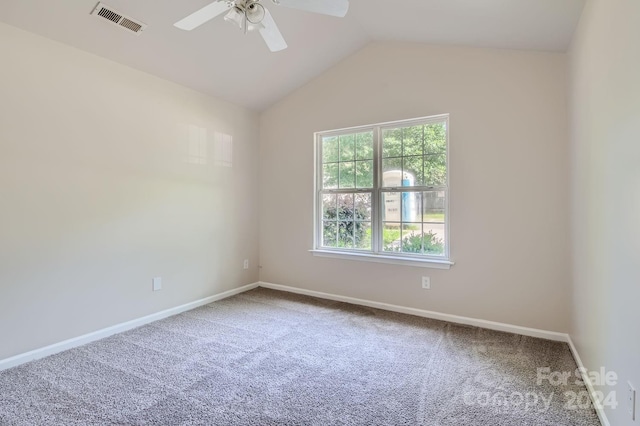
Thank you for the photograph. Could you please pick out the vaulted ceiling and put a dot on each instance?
(218, 59)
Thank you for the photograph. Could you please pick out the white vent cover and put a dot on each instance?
(117, 18)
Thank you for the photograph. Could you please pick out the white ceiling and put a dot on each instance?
(219, 60)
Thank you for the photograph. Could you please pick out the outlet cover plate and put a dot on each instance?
(426, 283)
(157, 283)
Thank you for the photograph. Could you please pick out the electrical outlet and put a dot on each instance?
(426, 283)
(631, 400)
(245, 265)
(156, 283)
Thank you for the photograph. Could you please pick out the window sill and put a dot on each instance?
(381, 258)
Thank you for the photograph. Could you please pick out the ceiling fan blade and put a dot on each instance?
(337, 8)
(271, 34)
(203, 15)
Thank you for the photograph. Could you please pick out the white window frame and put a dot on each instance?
(376, 254)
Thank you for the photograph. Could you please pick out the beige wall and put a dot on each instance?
(96, 197)
(605, 153)
(509, 179)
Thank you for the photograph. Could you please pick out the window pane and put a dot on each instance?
(364, 146)
(391, 234)
(392, 172)
(347, 148)
(433, 207)
(363, 235)
(391, 206)
(412, 238)
(348, 224)
(347, 175)
(329, 206)
(435, 138)
(412, 168)
(364, 174)
(329, 149)
(391, 143)
(345, 206)
(410, 206)
(330, 175)
(345, 234)
(412, 140)
(435, 169)
(363, 207)
(434, 237)
(329, 233)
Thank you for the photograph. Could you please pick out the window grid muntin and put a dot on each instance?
(342, 162)
(322, 219)
(377, 190)
(421, 190)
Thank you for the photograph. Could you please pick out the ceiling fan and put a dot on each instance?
(251, 15)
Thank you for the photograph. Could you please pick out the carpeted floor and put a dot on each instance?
(271, 358)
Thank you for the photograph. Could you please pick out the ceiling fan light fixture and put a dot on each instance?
(247, 16)
(255, 12)
(236, 16)
(254, 27)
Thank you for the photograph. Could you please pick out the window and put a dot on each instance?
(382, 191)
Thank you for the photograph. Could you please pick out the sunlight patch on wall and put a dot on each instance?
(201, 148)
(222, 150)
(196, 145)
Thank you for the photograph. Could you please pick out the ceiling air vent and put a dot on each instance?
(117, 18)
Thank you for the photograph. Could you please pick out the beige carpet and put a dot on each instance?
(271, 358)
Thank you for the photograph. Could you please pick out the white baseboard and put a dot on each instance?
(492, 325)
(599, 409)
(118, 328)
